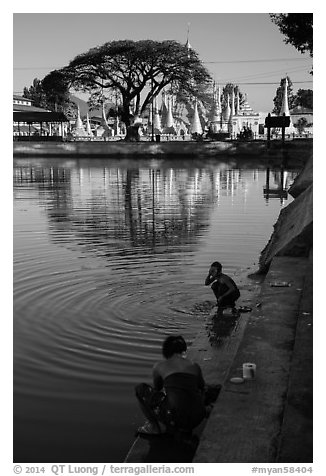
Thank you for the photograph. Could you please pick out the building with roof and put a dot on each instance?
(302, 119)
(35, 123)
(244, 118)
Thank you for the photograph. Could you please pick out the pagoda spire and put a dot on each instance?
(285, 103)
(169, 117)
(219, 99)
(188, 45)
(216, 109)
(227, 111)
(237, 103)
(215, 120)
(195, 127)
(150, 115)
(156, 119)
(232, 104)
(79, 126)
(88, 127)
(163, 109)
(104, 122)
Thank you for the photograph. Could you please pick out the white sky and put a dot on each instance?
(240, 48)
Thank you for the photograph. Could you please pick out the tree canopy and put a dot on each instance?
(304, 98)
(297, 28)
(56, 88)
(136, 70)
(36, 93)
(228, 89)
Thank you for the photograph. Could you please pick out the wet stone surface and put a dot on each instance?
(219, 326)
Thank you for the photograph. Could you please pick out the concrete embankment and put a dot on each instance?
(293, 149)
(293, 231)
(269, 419)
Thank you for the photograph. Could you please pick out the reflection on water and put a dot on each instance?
(109, 257)
(280, 187)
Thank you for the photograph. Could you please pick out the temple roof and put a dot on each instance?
(20, 98)
(24, 107)
(246, 109)
(38, 117)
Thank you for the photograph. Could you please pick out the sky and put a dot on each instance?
(240, 48)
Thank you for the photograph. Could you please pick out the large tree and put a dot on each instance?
(228, 89)
(304, 98)
(297, 28)
(56, 89)
(47, 98)
(136, 70)
(36, 93)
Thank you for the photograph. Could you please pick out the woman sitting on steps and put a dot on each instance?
(179, 399)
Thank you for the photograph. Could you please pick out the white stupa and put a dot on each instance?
(156, 119)
(237, 107)
(163, 110)
(89, 131)
(232, 104)
(188, 45)
(227, 111)
(104, 122)
(285, 102)
(195, 127)
(79, 130)
(169, 117)
(106, 130)
(285, 107)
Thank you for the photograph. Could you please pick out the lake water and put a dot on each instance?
(109, 255)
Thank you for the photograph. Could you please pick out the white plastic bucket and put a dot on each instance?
(249, 371)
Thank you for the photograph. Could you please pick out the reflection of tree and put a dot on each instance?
(282, 180)
(53, 184)
(115, 208)
(137, 207)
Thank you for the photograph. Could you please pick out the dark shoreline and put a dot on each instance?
(297, 148)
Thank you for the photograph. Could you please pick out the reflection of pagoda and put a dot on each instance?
(280, 188)
(134, 201)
